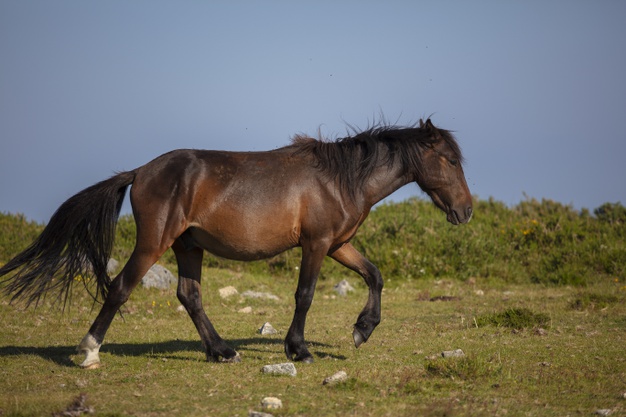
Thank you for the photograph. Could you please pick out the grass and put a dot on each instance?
(153, 364)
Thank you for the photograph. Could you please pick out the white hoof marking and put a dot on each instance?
(90, 348)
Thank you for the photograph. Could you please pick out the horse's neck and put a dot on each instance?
(382, 182)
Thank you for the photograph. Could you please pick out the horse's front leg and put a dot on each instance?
(369, 318)
(295, 346)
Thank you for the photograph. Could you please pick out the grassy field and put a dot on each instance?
(535, 296)
(573, 363)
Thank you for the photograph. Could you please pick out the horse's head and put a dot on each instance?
(441, 174)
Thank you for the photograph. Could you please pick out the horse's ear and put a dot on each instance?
(421, 123)
(429, 124)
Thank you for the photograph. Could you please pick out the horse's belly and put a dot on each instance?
(243, 245)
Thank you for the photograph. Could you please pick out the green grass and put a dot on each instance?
(515, 318)
(153, 364)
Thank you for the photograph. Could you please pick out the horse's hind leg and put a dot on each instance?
(369, 318)
(118, 294)
(189, 293)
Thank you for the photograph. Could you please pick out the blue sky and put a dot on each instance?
(534, 90)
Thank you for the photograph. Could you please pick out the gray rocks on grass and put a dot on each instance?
(261, 295)
(259, 414)
(228, 291)
(271, 403)
(287, 368)
(158, 277)
(343, 288)
(457, 353)
(267, 329)
(336, 378)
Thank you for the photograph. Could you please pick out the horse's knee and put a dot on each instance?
(189, 296)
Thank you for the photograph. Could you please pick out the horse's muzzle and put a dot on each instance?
(456, 216)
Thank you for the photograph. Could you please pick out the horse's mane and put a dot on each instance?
(352, 159)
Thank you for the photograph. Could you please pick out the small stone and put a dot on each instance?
(343, 288)
(335, 378)
(287, 368)
(262, 295)
(245, 310)
(180, 309)
(479, 293)
(458, 353)
(112, 266)
(603, 412)
(228, 291)
(259, 414)
(267, 329)
(541, 332)
(272, 403)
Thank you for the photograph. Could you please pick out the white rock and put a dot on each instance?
(280, 369)
(263, 295)
(272, 403)
(259, 414)
(267, 329)
(228, 291)
(245, 310)
(335, 378)
(343, 288)
(458, 353)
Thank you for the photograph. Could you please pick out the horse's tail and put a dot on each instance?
(77, 242)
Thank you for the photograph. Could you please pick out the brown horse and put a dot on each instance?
(242, 206)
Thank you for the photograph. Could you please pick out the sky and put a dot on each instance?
(535, 91)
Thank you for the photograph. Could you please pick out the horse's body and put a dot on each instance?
(242, 206)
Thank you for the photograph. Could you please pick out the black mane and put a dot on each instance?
(352, 159)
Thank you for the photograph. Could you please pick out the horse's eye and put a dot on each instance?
(454, 162)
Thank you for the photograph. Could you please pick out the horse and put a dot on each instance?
(312, 193)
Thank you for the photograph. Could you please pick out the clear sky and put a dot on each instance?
(535, 90)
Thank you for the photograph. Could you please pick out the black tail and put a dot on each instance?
(77, 241)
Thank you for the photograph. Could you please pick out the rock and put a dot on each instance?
(479, 293)
(263, 295)
(343, 288)
(259, 414)
(458, 353)
(180, 309)
(271, 403)
(228, 291)
(267, 329)
(112, 266)
(335, 378)
(158, 277)
(280, 369)
(603, 412)
(245, 310)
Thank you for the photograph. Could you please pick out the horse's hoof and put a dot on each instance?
(358, 338)
(93, 365)
(306, 359)
(234, 359)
